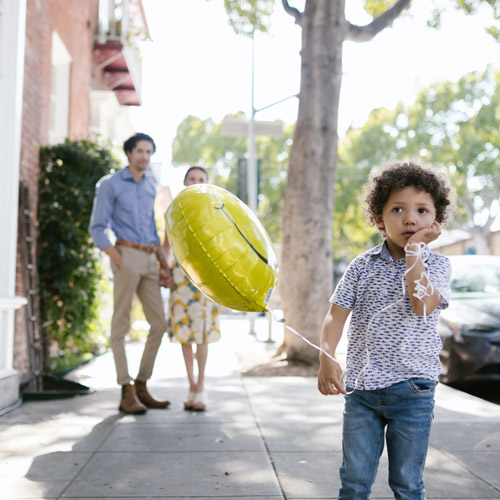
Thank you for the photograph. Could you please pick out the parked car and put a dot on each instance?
(470, 326)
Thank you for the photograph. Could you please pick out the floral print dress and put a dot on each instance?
(194, 318)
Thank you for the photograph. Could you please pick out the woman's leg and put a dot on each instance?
(187, 352)
(199, 400)
(201, 359)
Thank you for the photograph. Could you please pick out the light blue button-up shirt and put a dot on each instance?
(387, 341)
(127, 207)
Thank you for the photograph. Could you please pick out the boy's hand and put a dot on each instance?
(426, 235)
(330, 377)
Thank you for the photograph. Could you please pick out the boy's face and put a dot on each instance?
(406, 212)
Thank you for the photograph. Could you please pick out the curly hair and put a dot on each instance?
(399, 176)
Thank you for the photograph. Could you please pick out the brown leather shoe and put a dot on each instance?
(146, 398)
(130, 403)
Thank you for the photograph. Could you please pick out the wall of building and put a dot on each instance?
(457, 248)
(12, 36)
(75, 23)
(466, 246)
(64, 71)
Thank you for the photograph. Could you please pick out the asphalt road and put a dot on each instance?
(484, 389)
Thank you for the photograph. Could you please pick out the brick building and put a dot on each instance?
(68, 68)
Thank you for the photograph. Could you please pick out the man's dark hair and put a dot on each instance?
(398, 176)
(195, 167)
(131, 142)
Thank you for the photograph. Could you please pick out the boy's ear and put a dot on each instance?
(379, 221)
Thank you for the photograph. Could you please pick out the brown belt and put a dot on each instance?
(137, 246)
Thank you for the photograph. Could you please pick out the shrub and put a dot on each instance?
(68, 268)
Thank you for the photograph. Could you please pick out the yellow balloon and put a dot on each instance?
(222, 247)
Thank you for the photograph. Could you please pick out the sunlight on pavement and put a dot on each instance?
(460, 402)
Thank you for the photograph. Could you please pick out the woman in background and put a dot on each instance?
(193, 318)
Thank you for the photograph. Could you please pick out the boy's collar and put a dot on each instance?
(382, 250)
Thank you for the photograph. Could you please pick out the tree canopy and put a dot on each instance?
(453, 126)
(201, 142)
(306, 278)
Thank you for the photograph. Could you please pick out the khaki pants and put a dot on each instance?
(139, 273)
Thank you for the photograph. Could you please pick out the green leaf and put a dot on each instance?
(69, 272)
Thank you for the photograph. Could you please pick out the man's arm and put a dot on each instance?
(101, 215)
(114, 255)
(330, 370)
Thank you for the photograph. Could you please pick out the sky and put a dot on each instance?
(196, 65)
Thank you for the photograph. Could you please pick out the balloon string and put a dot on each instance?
(421, 291)
(283, 322)
(416, 250)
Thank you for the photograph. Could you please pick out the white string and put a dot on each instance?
(283, 322)
(421, 291)
(359, 374)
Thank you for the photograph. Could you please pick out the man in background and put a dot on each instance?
(124, 202)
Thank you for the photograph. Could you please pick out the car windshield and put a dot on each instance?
(477, 279)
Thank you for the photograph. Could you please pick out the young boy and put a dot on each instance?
(395, 292)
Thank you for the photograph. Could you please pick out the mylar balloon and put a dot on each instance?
(222, 247)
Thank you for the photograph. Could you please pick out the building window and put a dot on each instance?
(59, 91)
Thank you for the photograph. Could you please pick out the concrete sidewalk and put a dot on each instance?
(262, 438)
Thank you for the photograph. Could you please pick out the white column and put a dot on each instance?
(12, 43)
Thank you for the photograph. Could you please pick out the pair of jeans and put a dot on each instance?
(404, 413)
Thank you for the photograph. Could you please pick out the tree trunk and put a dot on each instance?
(480, 237)
(306, 275)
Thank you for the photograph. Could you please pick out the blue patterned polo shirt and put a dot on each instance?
(387, 342)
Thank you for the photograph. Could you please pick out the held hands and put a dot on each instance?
(330, 377)
(166, 279)
(426, 235)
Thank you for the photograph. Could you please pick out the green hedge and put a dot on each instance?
(68, 268)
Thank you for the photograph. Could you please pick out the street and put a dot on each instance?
(489, 390)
